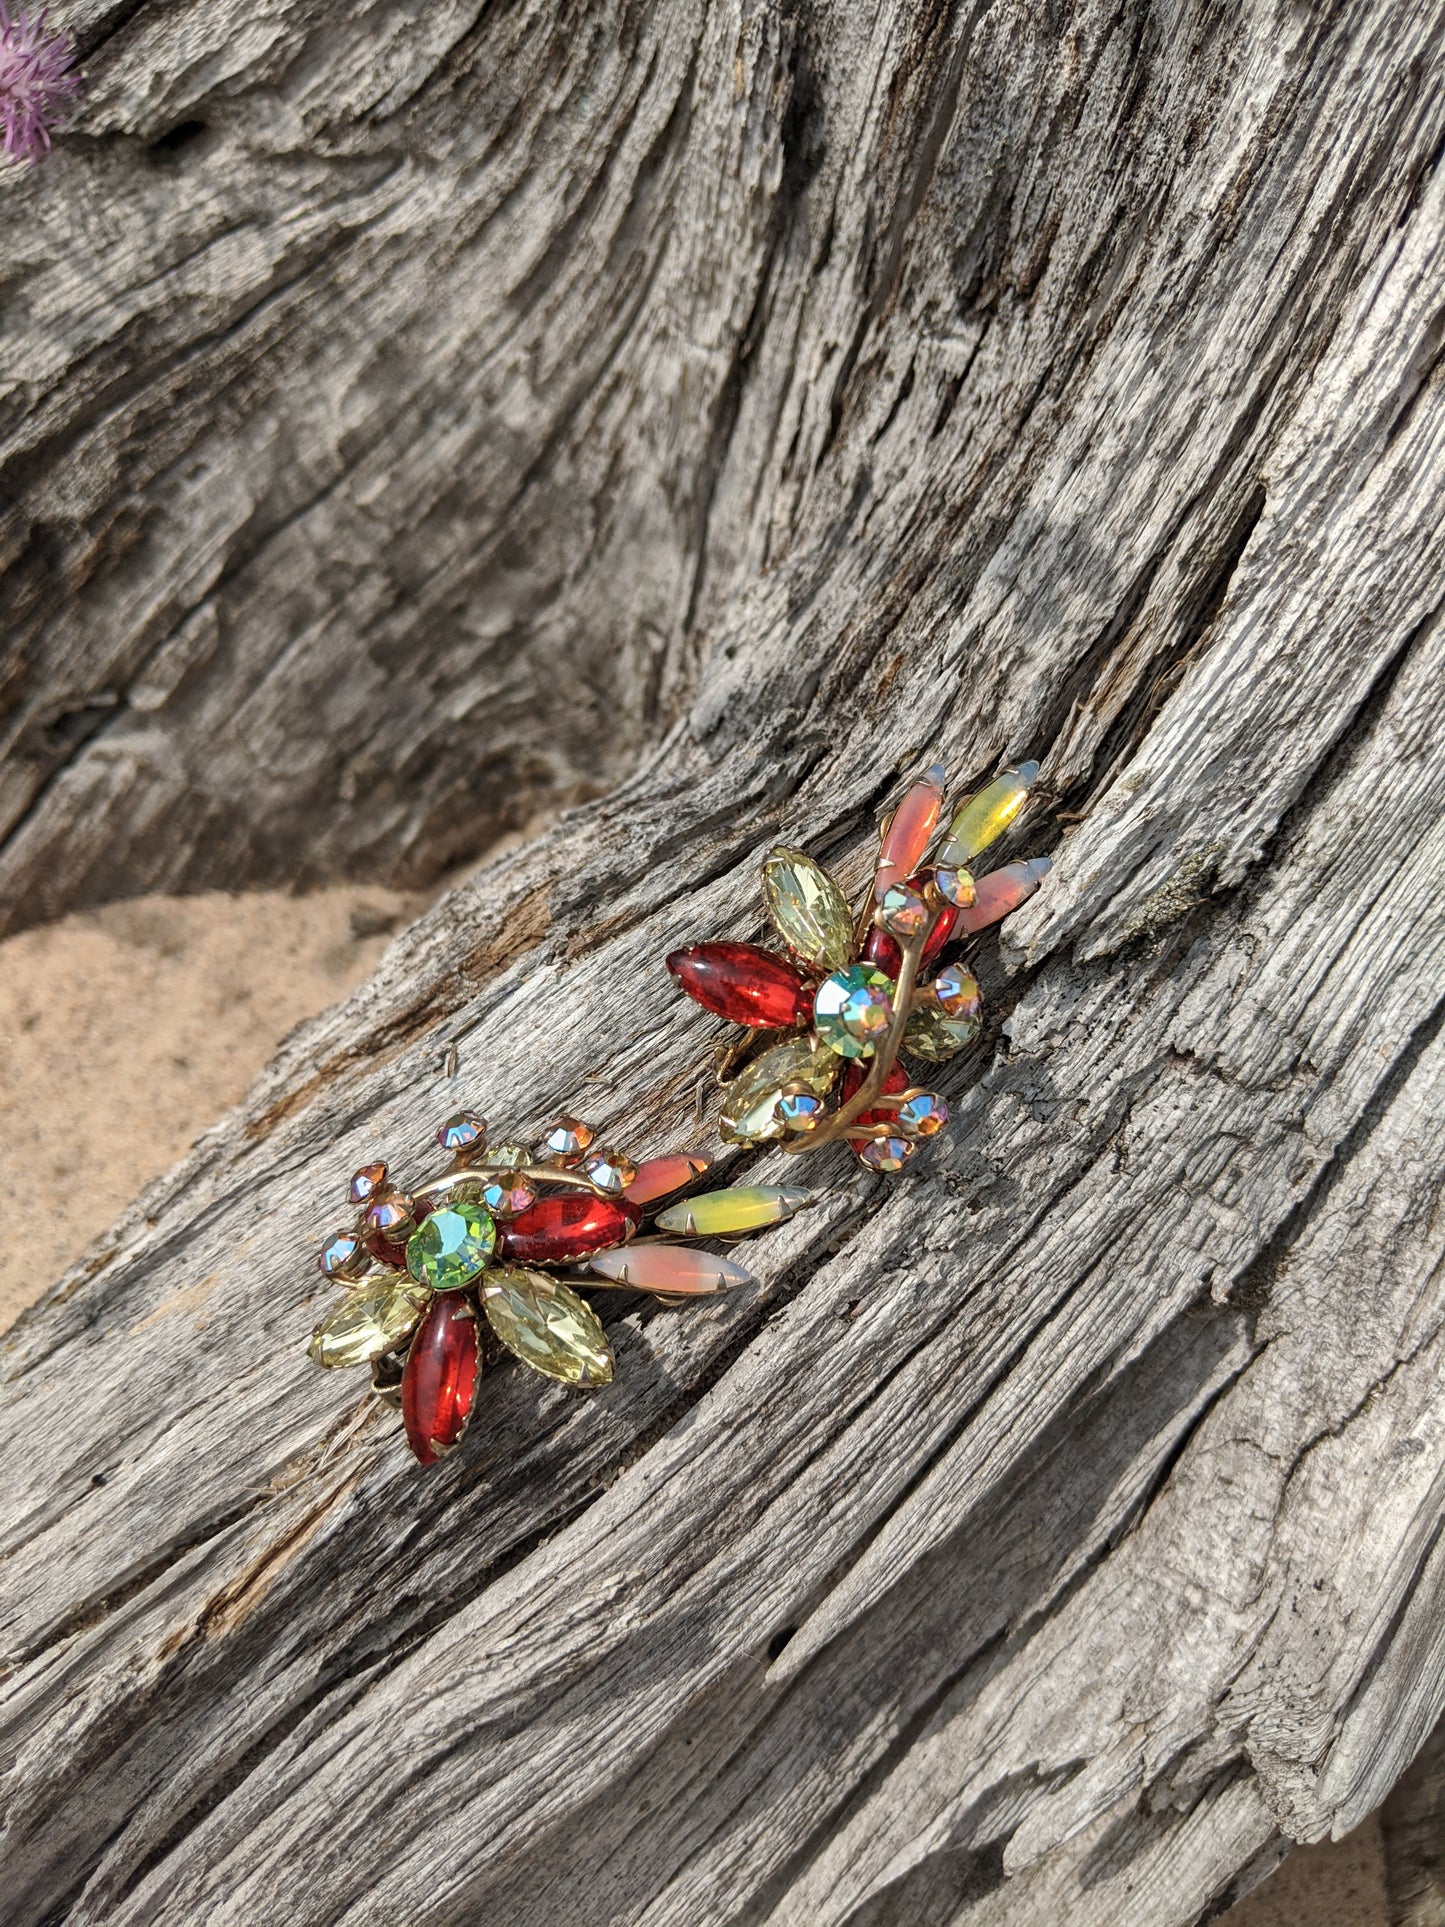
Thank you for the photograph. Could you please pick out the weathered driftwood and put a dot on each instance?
(1055, 1534)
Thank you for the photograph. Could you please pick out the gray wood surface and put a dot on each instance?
(776, 401)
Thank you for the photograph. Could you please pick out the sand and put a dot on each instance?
(125, 1032)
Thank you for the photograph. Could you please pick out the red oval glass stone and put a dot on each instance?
(569, 1224)
(897, 1080)
(882, 949)
(744, 984)
(440, 1380)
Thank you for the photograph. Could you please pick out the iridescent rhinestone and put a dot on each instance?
(921, 1115)
(902, 911)
(463, 1132)
(886, 1153)
(369, 1181)
(954, 885)
(853, 1009)
(956, 991)
(610, 1171)
(389, 1217)
(452, 1246)
(564, 1141)
(342, 1256)
(800, 1111)
(506, 1194)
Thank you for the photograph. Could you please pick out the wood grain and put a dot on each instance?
(1056, 1530)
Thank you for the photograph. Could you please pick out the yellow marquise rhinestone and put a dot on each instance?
(808, 909)
(752, 1111)
(546, 1325)
(933, 1034)
(368, 1323)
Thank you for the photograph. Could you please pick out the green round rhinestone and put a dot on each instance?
(452, 1246)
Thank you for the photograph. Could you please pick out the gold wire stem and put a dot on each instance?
(870, 1091)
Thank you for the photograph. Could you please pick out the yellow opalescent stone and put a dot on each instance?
(716, 1214)
(367, 1323)
(932, 1033)
(750, 1113)
(545, 1325)
(985, 817)
(810, 911)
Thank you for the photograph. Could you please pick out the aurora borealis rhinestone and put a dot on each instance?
(367, 1183)
(956, 992)
(564, 1141)
(451, 1246)
(505, 1194)
(921, 1115)
(609, 1170)
(852, 1010)
(464, 1132)
(886, 1153)
(342, 1256)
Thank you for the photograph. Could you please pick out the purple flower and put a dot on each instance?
(38, 83)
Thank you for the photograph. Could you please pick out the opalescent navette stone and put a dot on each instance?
(745, 1208)
(933, 1034)
(905, 841)
(546, 1325)
(750, 1109)
(451, 1246)
(440, 1380)
(853, 1009)
(367, 1323)
(679, 1268)
(660, 1175)
(1002, 891)
(807, 907)
(985, 817)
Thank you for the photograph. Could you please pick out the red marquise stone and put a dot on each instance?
(853, 1074)
(882, 946)
(567, 1225)
(744, 984)
(440, 1380)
